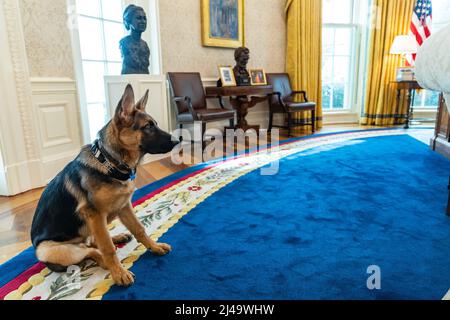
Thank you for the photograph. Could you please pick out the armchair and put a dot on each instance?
(282, 101)
(191, 102)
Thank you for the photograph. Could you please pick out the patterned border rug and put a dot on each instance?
(160, 206)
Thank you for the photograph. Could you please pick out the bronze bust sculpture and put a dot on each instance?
(135, 51)
(242, 56)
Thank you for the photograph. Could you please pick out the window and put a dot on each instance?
(340, 29)
(426, 99)
(441, 14)
(100, 29)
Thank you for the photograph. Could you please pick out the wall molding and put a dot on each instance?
(17, 130)
(19, 61)
(55, 102)
(55, 127)
(340, 118)
(429, 115)
(52, 85)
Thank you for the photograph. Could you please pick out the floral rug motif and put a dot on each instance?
(161, 210)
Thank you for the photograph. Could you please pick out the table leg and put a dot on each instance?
(397, 108)
(242, 105)
(411, 110)
(448, 203)
(408, 111)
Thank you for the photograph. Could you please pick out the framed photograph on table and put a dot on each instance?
(227, 76)
(258, 77)
(223, 23)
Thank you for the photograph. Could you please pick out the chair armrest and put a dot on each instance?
(302, 92)
(179, 99)
(189, 104)
(220, 98)
(280, 100)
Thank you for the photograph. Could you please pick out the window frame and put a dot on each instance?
(152, 37)
(356, 35)
(78, 62)
(423, 97)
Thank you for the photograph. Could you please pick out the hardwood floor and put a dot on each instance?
(16, 213)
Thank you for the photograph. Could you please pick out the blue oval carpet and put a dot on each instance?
(313, 230)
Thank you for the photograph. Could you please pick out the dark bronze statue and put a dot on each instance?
(242, 56)
(135, 51)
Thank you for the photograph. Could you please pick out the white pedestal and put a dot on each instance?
(158, 105)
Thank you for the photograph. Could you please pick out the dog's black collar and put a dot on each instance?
(116, 169)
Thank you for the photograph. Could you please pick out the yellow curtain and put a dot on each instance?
(391, 18)
(304, 51)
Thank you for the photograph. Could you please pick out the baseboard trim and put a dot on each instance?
(341, 118)
(28, 175)
(23, 176)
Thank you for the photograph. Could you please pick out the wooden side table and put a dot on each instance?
(242, 99)
(441, 141)
(448, 202)
(409, 87)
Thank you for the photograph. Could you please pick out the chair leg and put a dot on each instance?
(270, 121)
(289, 124)
(180, 126)
(203, 135)
(232, 123)
(313, 120)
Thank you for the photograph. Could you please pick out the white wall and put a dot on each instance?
(3, 183)
(40, 131)
(181, 37)
(40, 124)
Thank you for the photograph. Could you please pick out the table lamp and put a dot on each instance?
(404, 45)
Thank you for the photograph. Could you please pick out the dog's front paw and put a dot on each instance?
(123, 277)
(161, 249)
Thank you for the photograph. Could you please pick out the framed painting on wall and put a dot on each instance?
(223, 23)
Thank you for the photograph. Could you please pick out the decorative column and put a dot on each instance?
(17, 132)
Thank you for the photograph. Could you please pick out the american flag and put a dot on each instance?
(421, 22)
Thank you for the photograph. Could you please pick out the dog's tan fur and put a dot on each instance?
(106, 202)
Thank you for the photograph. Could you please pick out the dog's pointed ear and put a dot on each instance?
(143, 102)
(126, 108)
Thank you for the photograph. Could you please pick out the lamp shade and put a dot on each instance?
(404, 45)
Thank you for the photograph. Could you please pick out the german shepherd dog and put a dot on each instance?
(70, 223)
